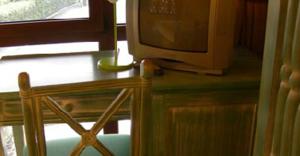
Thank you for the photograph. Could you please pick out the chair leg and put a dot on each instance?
(19, 139)
(1, 144)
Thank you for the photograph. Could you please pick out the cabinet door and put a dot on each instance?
(194, 124)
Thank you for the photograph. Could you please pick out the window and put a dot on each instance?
(94, 25)
(121, 12)
(30, 10)
(75, 10)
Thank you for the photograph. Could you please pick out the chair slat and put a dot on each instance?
(78, 149)
(87, 86)
(113, 107)
(38, 117)
(102, 149)
(54, 106)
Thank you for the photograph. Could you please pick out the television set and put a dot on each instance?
(192, 35)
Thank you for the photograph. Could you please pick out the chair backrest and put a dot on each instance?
(138, 88)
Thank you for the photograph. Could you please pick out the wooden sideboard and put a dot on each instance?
(194, 115)
(191, 114)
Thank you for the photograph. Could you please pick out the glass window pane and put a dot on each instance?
(28, 10)
(121, 11)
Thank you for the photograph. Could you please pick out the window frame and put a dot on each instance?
(98, 27)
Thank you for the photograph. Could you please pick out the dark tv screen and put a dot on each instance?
(174, 24)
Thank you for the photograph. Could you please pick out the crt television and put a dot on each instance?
(193, 35)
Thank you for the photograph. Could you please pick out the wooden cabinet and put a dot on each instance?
(194, 115)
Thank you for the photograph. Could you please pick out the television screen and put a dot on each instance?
(175, 24)
(190, 35)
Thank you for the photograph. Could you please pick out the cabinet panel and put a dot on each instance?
(188, 123)
(210, 130)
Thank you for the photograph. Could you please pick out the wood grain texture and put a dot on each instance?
(136, 122)
(213, 130)
(146, 71)
(210, 123)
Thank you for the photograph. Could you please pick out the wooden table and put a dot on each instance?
(182, 95)
(49, 71)
(59, 69)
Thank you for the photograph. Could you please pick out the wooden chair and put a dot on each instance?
(138, 88)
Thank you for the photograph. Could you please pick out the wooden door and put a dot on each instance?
(278, 122)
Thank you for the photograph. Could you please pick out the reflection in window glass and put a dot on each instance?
(27, 10)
